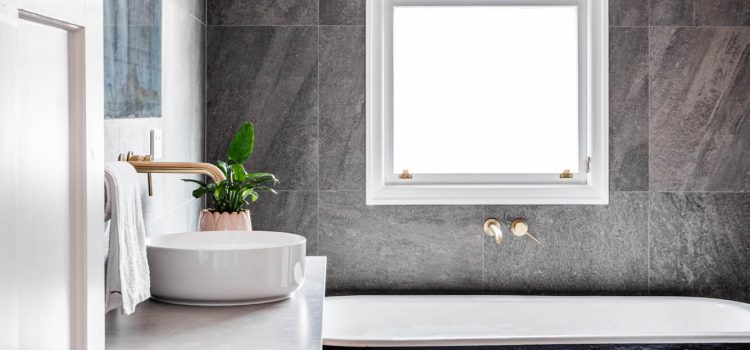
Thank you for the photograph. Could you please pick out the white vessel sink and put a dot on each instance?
(225, 267)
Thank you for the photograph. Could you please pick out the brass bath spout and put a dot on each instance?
(143, 164)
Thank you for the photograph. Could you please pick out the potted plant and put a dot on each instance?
(231, 195)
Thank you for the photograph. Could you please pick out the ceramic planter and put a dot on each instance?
(235, 221)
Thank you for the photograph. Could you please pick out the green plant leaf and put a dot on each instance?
(264, 188)
(219, 192)
(241, 146)
(246, 192)
(223, 167)
(259, 178)
(239, 172)
(200, 192)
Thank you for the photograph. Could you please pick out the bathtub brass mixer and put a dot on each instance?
(519, 228)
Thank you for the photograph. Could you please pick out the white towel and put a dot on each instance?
(128, 280)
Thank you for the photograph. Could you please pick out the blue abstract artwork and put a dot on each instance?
(132, 58)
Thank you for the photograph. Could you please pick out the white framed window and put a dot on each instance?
(487, 102)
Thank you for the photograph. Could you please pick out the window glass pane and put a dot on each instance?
(485, 89)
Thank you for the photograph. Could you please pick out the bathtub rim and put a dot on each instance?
(693, 338)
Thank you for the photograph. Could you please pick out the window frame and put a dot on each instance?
(384, 185)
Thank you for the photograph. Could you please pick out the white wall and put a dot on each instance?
(172, 208)
(51, 161)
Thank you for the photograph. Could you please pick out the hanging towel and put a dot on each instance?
(127, 276)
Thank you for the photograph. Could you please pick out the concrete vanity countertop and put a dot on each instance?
(294, 323)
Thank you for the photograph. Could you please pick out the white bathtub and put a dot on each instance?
(405, 321)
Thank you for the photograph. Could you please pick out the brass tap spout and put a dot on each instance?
(143, 164)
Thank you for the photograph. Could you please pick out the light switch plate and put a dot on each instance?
(156, 144)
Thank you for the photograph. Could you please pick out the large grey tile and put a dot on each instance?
(672, 12)
(722, 12)
(289, 211)
(699, 124)
(342, 108)
(267, 75)
(584, 249)
(342, 12)
(399, 248)
(628, 109)
(628, 12)
(262, 12)
(700, 244)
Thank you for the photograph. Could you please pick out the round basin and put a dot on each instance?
(225, 267)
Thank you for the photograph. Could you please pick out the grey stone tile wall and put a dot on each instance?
(267, 75)
(628, 12)
(262, 12)
(699, 119)
(628, 109)
(334, 12)
(678, 218)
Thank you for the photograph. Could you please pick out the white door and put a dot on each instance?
(51, 170)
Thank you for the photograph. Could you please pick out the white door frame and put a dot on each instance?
(82, 19)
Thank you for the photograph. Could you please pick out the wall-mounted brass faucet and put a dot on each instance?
(493, 228)
(143, 164)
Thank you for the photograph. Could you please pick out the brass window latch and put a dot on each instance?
(566, 174)
(405, 175)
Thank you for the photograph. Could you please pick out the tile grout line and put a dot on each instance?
(317, 192)
(683, 26)
(648, 246)
(648, 143)
(288, 25)
(206, 115)
(485, 287)
(693, 20)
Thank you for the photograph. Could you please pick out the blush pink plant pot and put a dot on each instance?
(214, 221)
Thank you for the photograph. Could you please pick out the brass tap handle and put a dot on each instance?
(520, 227)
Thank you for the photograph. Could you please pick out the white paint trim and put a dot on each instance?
(384, 187)
(77, 61)
(92, 243)
(87, 180)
